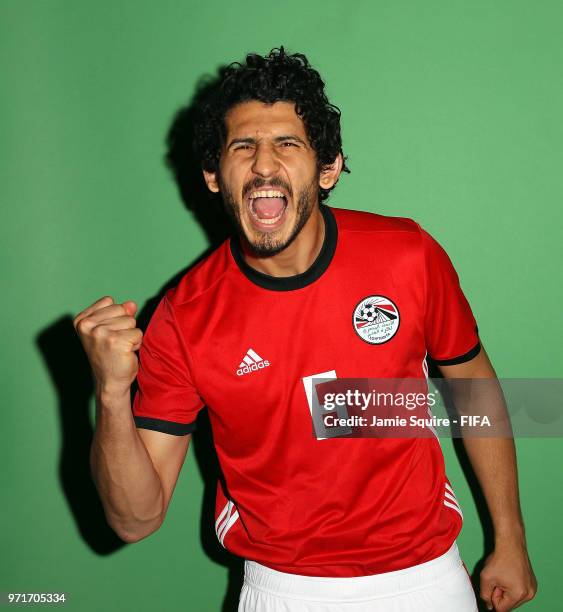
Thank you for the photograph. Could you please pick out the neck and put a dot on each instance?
(298, 256)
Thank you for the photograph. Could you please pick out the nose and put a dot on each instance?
(265, 161)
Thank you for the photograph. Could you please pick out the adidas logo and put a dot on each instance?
(251, 362)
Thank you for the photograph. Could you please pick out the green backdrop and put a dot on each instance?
(451, 114)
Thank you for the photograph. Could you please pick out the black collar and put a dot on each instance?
(298, 281)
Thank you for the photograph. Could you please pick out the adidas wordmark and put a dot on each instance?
(251, 362)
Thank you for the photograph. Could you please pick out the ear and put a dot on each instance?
(211, 181)
(330, 173)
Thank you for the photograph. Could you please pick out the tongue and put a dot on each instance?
(268, 208)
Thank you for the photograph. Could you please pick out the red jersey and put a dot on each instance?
(245, 345)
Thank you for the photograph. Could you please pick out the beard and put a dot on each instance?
(268, 244)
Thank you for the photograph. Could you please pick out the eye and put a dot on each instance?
(287, 143)
(243, 147)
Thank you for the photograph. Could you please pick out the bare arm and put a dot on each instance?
(493, 459)
(135, 470)
(507, 579)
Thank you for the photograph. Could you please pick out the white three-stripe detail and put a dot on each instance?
(221, 515)
(232, 520)
(222, 526)
(456, 508)
(453, 503)
(226, 519)
(425, 365)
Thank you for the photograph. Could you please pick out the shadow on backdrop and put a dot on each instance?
(70, 373)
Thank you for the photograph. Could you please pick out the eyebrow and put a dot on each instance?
(277, 139)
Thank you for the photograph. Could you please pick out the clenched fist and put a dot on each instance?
(110, 337)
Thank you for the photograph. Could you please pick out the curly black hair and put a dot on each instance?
(276, 77)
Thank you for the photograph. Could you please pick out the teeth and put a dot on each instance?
(266, 194)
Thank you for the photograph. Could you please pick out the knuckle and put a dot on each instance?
(82, 327)
(98, 332)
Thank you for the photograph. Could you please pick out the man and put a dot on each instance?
(324, 524)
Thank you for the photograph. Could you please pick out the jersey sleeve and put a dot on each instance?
(166, 399)
(449, 325)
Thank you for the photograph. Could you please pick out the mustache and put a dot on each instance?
(274, 182)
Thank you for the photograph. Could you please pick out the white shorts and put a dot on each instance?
(439, 585)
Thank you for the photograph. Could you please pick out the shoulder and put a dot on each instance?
(359, 230)
(362, 221)
(402, 231)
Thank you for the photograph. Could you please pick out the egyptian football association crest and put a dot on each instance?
(376, 319)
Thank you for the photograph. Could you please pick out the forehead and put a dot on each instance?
(258, 118)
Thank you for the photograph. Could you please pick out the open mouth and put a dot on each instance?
(267, 206)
